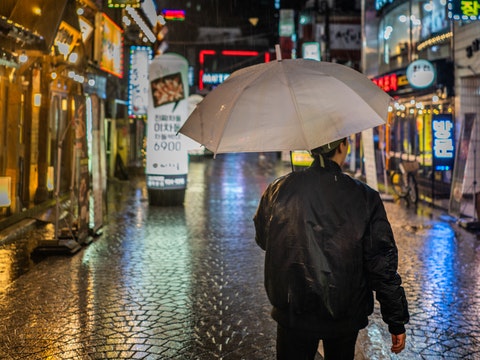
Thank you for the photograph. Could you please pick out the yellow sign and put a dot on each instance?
(301, 158)
(66, 38)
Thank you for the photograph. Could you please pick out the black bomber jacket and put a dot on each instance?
(329, 246)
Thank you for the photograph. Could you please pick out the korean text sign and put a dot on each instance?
(167, 156)
(443, 142)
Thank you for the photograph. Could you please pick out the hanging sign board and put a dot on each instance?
(458, 177)
(443, 142)
(421, 74)
(138, 80)
(108, 51)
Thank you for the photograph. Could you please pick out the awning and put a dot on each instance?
(45, 19)
(16, 32)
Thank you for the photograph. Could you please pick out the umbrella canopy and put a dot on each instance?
(291, 104)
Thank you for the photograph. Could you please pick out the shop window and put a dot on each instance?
(404, 27)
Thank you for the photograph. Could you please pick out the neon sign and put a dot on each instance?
(443, 142)
(216, 78)
(387, 82)
(140, 57)
(464, 10)
(109, 45)
(173, 15)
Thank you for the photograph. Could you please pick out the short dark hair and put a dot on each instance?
(329, 150)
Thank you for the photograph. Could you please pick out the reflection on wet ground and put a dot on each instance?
(16, 256)
(186, 282)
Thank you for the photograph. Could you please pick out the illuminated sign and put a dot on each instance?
(108, 45)
(123, 3)
(150, 11)
(217, 77)
(379, 4)
(167, 153)
(173, 15)
(214, 78)
(286, 25)
(464, 9)
(85, 28)
(96, 84)
(311, 50)
(140, 57)
(421, 74)
(66, 38)
(387, 82)
(301, 158)
(5, 191)
(443, 142)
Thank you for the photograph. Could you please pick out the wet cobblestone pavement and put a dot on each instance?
(187, 282)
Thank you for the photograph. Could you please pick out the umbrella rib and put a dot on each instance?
(299, 116)
(294, 100)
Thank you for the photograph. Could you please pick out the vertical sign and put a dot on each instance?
(456, 194)
(108, 50)
(167, 157)
(443, 142)
(96, 166)
(369, 154)
(81, 172)
(138, 80)
(286, 25)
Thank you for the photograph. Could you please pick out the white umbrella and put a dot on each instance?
(286, 105)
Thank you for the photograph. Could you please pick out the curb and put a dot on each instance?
(16, 230)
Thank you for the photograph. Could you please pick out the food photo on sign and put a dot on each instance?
(167, 89)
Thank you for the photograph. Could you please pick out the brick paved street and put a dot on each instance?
(187, 282)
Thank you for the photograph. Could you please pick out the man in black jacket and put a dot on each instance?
(328, 246)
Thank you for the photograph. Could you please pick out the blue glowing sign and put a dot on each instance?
(443, 142)
(214, 78)
(464, 9)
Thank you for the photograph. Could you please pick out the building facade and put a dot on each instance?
(64, 124)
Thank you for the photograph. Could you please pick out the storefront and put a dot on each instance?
(466, 175)
(408, 53)
(409, 134)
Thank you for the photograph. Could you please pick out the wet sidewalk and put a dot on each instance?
(187, 282)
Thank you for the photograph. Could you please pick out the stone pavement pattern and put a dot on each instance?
(187, 282)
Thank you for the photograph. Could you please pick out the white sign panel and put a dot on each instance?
(138, 80)
(345, 36)
(370, 163)
(420, 74)
(311, 50)
(167, 157)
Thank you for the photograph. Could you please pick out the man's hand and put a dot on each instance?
(398, 342)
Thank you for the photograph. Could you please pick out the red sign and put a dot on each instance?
(173, 15)
(387, 82)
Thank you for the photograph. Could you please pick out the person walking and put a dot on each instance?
(328, 246)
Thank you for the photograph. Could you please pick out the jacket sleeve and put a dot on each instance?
(381, 262)
(261, 220)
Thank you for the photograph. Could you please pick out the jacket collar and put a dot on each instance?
(330, 165)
